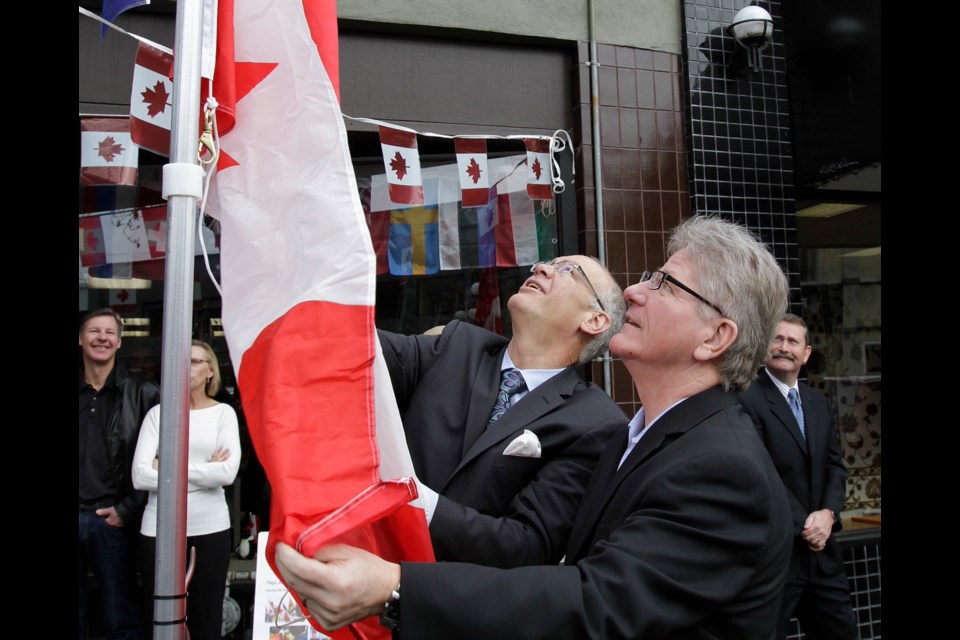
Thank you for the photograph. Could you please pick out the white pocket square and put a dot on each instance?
(526, 445)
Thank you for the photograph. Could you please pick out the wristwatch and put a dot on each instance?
(836, 516)
(390, 618)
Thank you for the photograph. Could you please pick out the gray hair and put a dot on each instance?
(740, 275)
(797, 320)
(611, 296)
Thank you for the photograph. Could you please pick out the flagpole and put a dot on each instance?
(182, 187)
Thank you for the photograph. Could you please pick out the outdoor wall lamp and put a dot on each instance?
(752, 28)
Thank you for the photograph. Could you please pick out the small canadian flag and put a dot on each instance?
(151, 96)
(472, 168)
(539, 181)
(107, 154)
(401, 161)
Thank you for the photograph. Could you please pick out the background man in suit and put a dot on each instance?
(113, 403)
(482, 479)
(807, 456)
(684, 531)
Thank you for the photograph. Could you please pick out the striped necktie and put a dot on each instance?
(793, 398)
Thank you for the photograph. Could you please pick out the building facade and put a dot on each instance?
(685, 126)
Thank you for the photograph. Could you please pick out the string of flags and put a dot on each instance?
(470, 214)
(401, 163)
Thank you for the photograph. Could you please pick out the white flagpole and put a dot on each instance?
(182, 187)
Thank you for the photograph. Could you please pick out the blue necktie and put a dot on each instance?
(511, 382)
(793, 399)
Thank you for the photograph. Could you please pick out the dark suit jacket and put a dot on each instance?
(689, 539)
(812, 470)
(494, 509)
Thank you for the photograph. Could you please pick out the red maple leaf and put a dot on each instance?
(92, 241)
(536, 168)
(109, 149)
(123, 295)
(473, 170)
(399, 165)
(156, 98)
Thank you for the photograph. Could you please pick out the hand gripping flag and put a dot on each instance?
(298, 272)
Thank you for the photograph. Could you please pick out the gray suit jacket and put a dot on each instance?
(494, 509)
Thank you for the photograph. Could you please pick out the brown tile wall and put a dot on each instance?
(644, 171)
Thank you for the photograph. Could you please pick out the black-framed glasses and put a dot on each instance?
(568, 267)
(655, 278)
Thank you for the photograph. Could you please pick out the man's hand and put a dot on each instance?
(112, 519)
(817, 529)
(340, 584)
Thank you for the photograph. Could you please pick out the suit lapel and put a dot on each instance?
(812, 425)
(780, 409)
(595, 498)
(668, 428)
(482, 397)
(542, 400)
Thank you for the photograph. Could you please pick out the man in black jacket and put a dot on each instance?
(113, 403)
(684, 528)
(483, 478)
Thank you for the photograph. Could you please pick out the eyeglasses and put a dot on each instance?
(568, 267)
(655, 280)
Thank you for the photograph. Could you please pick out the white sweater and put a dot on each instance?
(210, 429)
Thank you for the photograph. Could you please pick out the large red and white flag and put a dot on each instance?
(539, 180)
(472, 169)
(151, 96)
(298, 276)
(401, 162)
(107, 154)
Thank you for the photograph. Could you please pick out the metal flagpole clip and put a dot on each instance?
(207, 144)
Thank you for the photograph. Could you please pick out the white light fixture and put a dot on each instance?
(827, 210)
(94, 282)
(752, 28)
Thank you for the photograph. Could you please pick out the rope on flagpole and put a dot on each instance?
(124, 32)
(212, 144)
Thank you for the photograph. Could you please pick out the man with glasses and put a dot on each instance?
(498, 429)
(684, 529)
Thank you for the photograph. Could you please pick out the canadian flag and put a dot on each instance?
(107, 154)
(401, 161)
(539, 181)
(298, 277)
(150, 99)
(472, 168)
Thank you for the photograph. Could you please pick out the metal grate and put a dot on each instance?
(862, 562)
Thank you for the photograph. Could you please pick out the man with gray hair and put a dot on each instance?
(684, 529)
(499, 429)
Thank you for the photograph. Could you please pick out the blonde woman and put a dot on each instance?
(213, 461)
